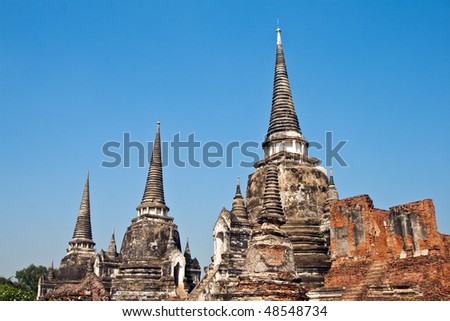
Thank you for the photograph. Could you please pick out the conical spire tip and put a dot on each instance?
(238, 188)
(331, 180)
(187, 249)
(154, 190)
(278, 35)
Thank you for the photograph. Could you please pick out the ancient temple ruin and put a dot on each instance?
(75, 279)
(304, 190)
(269, 268)
(303, 183)
(288, 238)
(343, 249)
(150, 264)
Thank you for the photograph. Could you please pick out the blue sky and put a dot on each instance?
(77, 74)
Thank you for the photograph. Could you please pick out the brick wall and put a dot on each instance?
(359, 230)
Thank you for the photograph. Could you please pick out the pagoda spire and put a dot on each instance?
(187, 250)
(331, 180)
(112, 248)
(332, 193)
(283, 117)
(82, 234)
(153, 201)
(270, 241)
(238, 188)
(50, 273)
(284, 131)
(238, 208)
(272, 212)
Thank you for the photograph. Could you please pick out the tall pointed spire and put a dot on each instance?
(284, 133)
(283, 117)
(154, 189)
(82, 234)
(272, 208)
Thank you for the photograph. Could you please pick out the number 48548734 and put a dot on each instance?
(299, 311)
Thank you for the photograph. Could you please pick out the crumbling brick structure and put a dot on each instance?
(395, 254)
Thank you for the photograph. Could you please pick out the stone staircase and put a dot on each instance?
(310, 250)
(326, 293)
(374, 275)
(137, 281)
(393, 292)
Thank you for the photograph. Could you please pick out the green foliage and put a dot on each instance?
(28, 278)
(25, 289)
(5, 281)
(9, 292)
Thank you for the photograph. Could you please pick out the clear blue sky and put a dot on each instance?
(76, 74)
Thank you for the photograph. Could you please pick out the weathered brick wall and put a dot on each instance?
(405, 240)
(446, 242)
(423, 278)
(347, 272)
(359, 230)
(414, 229)
(430, 273)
